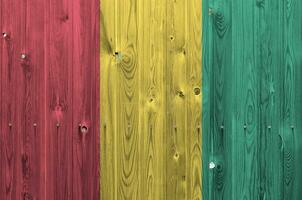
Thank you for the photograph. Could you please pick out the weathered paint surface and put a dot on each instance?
(252, 99)
(150, 99)
(49, 69)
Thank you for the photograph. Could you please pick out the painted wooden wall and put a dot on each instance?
(150, 99)
(252, 99)
(49, 76)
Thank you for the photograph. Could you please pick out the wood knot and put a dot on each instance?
(260, 3)
(180, 94)
(25, 166)
(196, 90)
(64, 18)
(27, 196)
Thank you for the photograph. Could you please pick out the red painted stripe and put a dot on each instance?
(45, 96)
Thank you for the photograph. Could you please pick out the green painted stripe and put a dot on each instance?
(252, 101)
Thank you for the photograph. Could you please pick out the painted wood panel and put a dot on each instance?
(150, 99)
(85, 96)
(22, 72)
(49, 100)
(59, 74)
(251, 99)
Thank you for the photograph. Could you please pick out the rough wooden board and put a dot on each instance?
(109, 73)
(257, 97)
(45, 94)
(22, 97)
(11, 170)
(85, 107)
(59, 100)
(150, 99)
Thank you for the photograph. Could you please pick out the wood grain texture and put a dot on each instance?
(150, 99)
(296, 28)
(59, 100)
(49, 85)
(11, 169)
(23, 101)
(108, 93)
(251, 74)
(85, 105)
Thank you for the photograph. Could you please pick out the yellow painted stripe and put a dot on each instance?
(150, 99)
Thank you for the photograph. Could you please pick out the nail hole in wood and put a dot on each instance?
(269, 127)
(292, 127)
(244, 126)
(176, 156)
(58, 125)
(5, 35)
(10, 125)
(35, 124)
(83, 128)
(212, 165)
(23, 56)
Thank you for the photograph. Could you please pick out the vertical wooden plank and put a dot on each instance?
(297, 57)
(177, 99)
(85, 95)
(246, 64)
(11, 106)
(222, 100)
(59, 68)
(193, 80)
(108, 95)
(288, 103)
(33, 123)
(270, 63)
(128, 121)
(152, 63)
(144, 82)
(23, 138)
(292, 177)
